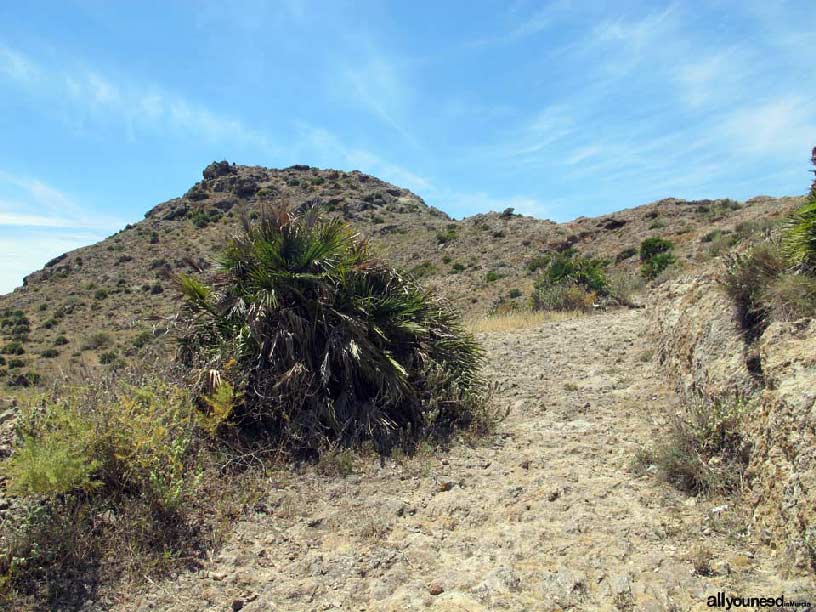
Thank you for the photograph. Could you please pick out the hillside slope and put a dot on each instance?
(104, 302)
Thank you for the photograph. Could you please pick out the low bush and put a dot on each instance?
(655, 257)
(96, 341)
(569, 281)
(13, 348)
(107, 479)
(325, 345)
(563, 298)
(705, 450)
(721, 243)
(790, 297)
(746, 279)
(447, 236)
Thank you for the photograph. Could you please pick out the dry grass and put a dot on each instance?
(520, 319)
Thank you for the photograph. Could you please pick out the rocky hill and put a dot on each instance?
(102, 303)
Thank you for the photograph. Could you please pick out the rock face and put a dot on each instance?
(701, 347)
(699, 341)
(783, 468)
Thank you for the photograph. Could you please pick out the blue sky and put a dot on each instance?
(559, 109)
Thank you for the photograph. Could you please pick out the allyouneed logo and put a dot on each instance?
(721, 600)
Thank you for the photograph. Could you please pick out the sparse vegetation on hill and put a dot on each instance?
(123, 285)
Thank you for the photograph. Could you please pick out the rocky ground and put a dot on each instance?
(547, 514)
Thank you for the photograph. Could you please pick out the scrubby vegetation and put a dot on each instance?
(323, 344)
(705, 450)
(569, 281)
(101, 469)
(775, 279)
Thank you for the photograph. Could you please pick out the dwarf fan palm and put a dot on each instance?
(325, 343)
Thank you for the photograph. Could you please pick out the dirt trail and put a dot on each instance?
(546, 515)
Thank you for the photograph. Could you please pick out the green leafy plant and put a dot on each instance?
(569, 281)
(655, 256)
(324, 343)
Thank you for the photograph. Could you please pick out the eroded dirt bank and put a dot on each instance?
(546, 515)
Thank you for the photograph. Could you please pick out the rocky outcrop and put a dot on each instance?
(700, 346)
(699, 341)
(783, 465)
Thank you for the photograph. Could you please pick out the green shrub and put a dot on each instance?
(569, 281)
(100, 294)
(514, 293)
(49, 353)
(326, 345)
(129, 439)
(654, 246)
(13, 348)
(721, 243)
(655, 256)
(708, 237)
(142, 339)
(60, 341)
(2, 360)
(458, 267)
(492, 276)
(28, 379)
(570, 268)
(537, 262)
(16, 363)
(656, 265)
(107, 357)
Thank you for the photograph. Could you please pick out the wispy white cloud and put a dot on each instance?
(30, 202)
(39, 222)
(784, 125)
(326, 145)
(23, 252)
(525, 24)
(91, 95)
(628, 42)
